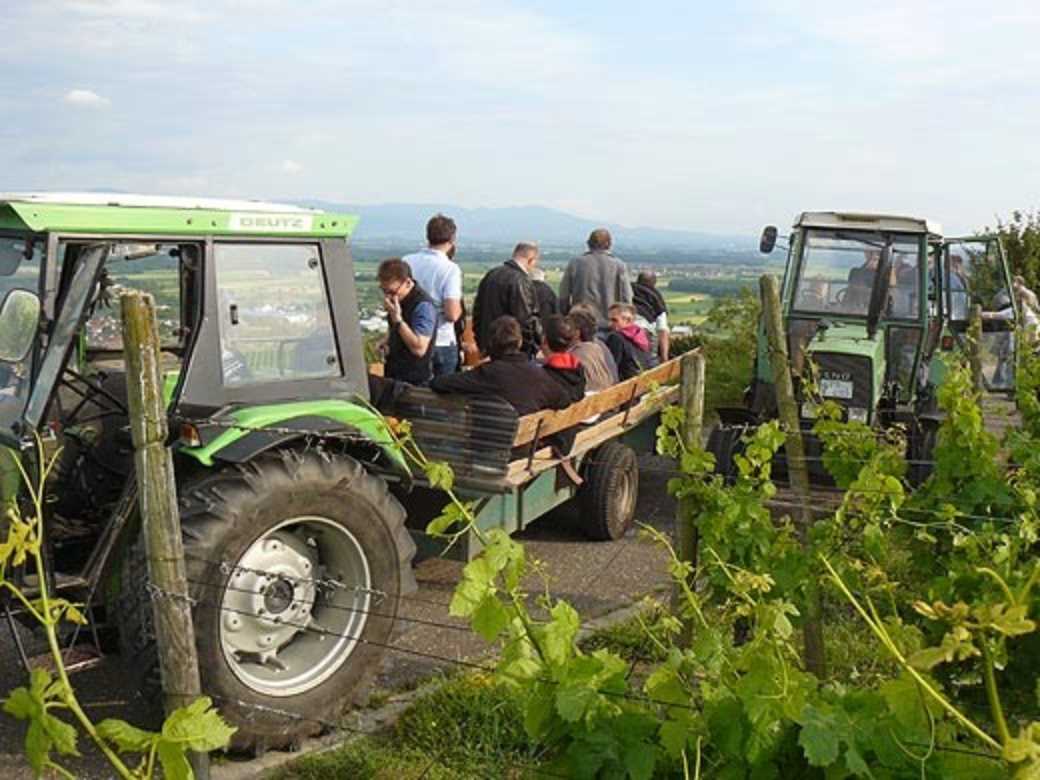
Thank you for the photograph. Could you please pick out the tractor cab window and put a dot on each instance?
(149, 267)
(839, 268)
(274, 317)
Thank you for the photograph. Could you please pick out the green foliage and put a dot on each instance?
(196, 726)
(944, 579)
(1020, 236)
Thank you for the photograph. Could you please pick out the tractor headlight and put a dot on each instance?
(857, 414)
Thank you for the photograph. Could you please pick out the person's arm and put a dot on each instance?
(565, 291)
(523, 302)
(451, 294)
(417, 334)
(664, 336)
(464, 382)
(416, 343)
(624, 286)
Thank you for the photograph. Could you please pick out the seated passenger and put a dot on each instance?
(627, 342)
(509, 374)
(560, 363)
(600, 369)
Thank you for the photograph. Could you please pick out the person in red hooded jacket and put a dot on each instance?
(560, 363)
(627, 342)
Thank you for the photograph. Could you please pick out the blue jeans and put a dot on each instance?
(445, 360)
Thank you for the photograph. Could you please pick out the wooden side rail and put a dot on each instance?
(551, 421)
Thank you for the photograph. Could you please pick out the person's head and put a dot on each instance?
(647, 279)
(440, 233)
(583, 319)
(1018, 281)
(599, 240)
(560, 333)
(526, 255)
(621, 315)
(505, 337)
(395, 278)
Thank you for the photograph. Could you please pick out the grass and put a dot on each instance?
(469, 726)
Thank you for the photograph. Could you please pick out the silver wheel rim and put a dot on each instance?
(294, 606)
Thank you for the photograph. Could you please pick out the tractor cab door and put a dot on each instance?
(975, 273)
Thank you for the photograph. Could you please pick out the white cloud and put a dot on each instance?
(86, 98)
(291, 167)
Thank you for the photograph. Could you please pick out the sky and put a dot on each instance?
(717, 117)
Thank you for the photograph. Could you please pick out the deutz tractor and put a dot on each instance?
(295, 549)
(870, 305)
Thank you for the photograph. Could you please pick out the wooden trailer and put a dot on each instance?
(515, 468)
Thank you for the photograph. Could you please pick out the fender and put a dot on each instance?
(235, 444)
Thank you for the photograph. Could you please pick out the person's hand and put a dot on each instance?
(393, 309)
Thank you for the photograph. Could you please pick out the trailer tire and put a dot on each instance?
(310, 517)
(723, 443)
(607, 498)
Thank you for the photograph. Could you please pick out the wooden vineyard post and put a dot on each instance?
(691, 396)
(797, 466)
(975, 348)
(160, 519)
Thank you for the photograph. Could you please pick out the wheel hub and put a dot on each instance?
(282, 629)
(270, 596)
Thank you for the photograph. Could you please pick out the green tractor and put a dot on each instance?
(296, 549)
(871, 303)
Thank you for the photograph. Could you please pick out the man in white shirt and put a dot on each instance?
(441, 278)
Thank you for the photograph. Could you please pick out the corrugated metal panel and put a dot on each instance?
(472, 434)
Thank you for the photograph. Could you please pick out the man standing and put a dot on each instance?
(597, 278)
(651, 312)
(411, 319)
(441, 278)
(508, 289)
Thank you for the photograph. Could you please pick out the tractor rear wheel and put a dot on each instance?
(610, 491)
(295, 563)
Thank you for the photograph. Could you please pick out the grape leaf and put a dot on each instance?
(819, 737)
(125, 737)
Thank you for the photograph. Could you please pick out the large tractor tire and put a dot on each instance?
(608, 496)
(295, 562)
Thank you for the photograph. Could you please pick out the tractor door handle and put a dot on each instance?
(233, 313)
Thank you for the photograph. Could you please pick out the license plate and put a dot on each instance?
(836, 388)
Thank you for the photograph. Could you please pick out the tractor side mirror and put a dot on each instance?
(768, 240)
(19, 317)
(879, 295)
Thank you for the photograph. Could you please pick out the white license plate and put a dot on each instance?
(836, 388)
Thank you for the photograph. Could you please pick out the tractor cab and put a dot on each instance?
(856, 307)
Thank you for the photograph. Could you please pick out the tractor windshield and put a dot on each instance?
(19, 270)
(839, 269)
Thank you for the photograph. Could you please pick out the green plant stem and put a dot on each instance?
(993, 694)
(889, 645)
(68, 693)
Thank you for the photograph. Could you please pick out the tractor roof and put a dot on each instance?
(119, 213)
(872, 222)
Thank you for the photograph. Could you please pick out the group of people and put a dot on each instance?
(537, 349)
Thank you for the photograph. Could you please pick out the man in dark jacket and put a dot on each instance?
(509, 375)
(548, 303)
(560, 363)
(508, 289)
(651, 312)
(412, 321)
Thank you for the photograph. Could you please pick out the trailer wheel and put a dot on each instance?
(723, 443)
(608, 496)
(295, 563)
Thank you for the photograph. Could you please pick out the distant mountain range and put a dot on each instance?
(406, 222)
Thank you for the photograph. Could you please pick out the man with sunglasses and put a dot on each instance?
(411, 321)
